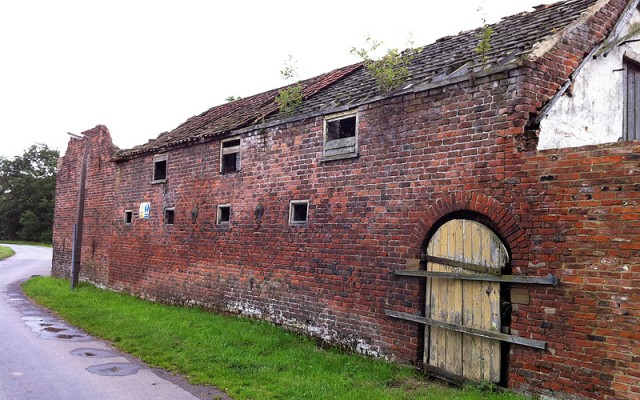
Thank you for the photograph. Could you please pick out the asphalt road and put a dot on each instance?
(42, 357)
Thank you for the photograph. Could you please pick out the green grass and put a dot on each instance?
(248, 359)
(25, 243)
(6, 252)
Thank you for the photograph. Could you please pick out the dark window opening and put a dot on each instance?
(230, 157)
(224, 214)
(229, 163)
(341, 128)
(169, 216)
(128, 217)
(299, 212)
(160, 168)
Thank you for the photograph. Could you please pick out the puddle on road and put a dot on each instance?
(94, 353)
(49, 328)
(67, 337)
(52, 329)
(114, 369)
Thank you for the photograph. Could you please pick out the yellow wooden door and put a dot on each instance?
(474, 304)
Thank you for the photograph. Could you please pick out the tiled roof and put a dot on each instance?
(513, 40)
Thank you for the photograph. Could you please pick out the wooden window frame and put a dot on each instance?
(157, 159)
(219, 220)
(224, 151)
(631, 64)
(339, 149)
(165, 218)
(292, 205)
(129, 214)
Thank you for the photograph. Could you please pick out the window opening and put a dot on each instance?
(128, 217)
(160, 168)
(341, 128)
(298, 211)
(224, 214)
(631, 101)
(169, 216)
(340, 136)
(230, 156)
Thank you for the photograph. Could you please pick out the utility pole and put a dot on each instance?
(76, 251)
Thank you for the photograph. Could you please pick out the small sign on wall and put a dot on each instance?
(145, 210)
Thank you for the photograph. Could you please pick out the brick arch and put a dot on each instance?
(496, 217)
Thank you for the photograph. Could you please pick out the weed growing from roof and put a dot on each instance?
(229, 99)
(389, 71)
(289, 97)
(484, 43)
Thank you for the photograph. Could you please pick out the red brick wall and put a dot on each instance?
(330, 278)
(584, 218)
(573, 213)
(423, 158)
(66, 207)
(98, 207)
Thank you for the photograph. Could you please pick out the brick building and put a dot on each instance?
(481, 221)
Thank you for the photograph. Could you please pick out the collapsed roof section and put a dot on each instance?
(515, 39)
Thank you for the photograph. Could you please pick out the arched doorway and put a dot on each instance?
(461, 247)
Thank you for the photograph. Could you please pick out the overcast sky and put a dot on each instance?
(143, 67)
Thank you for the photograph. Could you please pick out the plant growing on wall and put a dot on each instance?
(390, 70)
(289, 97)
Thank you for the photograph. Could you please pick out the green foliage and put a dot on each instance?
(482, 386)
(389, 71)
(290, 69)
(249, 359)
(30, 225)
(27, 190)
(229, 99)
(289, 97)
(484, 43)
(6, 252)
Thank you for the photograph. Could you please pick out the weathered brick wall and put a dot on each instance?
(423, 158)
(583, 214)
(456, 150)
(66, 206)
(330, 278)
(98, 207)
(579, 210)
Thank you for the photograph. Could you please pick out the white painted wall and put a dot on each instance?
(594, 114)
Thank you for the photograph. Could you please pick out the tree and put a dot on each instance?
(27, 191)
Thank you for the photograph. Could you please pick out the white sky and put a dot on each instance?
(142, 67)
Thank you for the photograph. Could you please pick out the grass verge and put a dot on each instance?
(248, 359)
(6, 252)
(25, 243)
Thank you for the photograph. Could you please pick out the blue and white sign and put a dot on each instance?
(145, 210)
